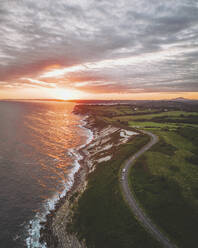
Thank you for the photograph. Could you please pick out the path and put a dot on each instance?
(138, 212)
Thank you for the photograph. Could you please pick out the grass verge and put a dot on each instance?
(101, 216)
(165, 184)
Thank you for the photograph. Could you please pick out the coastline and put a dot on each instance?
(51, 228)
(36, 226)
(105, 141)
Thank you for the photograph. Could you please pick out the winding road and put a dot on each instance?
(138, 212)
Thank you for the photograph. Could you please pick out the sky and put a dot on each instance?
(99, 49)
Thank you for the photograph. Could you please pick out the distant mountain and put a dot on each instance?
(182, 99)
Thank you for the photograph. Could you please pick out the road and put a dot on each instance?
(138, 212)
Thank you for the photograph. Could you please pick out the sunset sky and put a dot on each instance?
(99, 49)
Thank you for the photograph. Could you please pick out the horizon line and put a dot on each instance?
(104, 100)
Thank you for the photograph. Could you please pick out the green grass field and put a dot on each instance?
(150, 115)
(164, 181)
(101, 216)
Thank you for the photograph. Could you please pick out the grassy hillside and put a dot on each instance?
(164, 180)
(101, 217)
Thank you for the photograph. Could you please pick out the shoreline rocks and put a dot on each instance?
(54, 232)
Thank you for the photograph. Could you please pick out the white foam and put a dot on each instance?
(34, 227)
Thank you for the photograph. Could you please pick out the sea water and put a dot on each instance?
(39, 144)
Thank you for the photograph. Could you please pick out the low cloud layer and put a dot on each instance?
(100, 46)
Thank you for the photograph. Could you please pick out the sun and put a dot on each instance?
(67, 94)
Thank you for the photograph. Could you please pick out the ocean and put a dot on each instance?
(39, 144)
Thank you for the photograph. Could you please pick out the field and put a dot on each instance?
(164, 180)
(101, 216)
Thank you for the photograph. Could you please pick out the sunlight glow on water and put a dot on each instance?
(38, 159)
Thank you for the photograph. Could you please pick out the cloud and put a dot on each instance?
(118, 46)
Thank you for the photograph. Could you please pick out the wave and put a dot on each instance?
(33, 227)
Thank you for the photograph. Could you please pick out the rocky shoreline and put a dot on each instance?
(54, 230)
(106, 139)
